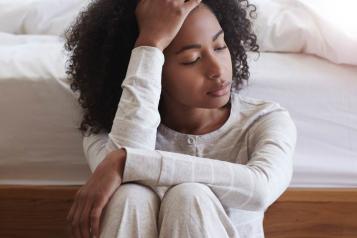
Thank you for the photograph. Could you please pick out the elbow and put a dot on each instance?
(264, 196)
(264, 203)
(260, 194)
(260, 199)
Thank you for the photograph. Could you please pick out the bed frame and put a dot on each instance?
(40, 211)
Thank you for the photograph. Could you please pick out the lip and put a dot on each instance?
(221, 91)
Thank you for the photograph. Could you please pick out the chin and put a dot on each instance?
(217, 102)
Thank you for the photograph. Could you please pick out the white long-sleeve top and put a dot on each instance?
(247, 162)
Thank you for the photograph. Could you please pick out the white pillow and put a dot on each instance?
(49, 17)
(52, 17)
(324, 28)
(12, 15)
(32, 57)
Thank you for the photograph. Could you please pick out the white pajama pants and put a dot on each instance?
(189, 210)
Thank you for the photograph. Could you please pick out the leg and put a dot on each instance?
(191, 210)
(131, 212)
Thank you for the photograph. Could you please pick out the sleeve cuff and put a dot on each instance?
(142, 165)
(146, 62)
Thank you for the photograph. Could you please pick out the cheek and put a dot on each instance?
(181, 84)
(180, 80)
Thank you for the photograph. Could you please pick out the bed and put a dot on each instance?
(42, 162)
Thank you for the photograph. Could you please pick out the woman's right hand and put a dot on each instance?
(160, 20)
(91, 199)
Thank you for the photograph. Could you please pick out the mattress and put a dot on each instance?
(40, 143)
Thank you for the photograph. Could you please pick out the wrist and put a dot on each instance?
(118, 158)
(148, 42)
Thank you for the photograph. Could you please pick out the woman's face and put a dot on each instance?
(197, 72)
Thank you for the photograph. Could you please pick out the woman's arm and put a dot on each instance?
(137, 117)
(253, 186)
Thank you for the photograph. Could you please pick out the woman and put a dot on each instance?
(175, 151)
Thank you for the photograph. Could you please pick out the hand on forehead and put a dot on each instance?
(160, 20)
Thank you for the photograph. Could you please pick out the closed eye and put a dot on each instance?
(221, 48)
(188, 63)
(193, 62)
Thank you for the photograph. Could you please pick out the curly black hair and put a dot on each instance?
(102, 37)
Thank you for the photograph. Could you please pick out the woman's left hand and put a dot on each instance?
(92, 197)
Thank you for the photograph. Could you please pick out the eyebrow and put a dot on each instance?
(195, 46)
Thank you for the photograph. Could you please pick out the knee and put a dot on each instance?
(186, 194)
(127, 207)
(193, 207)
(133, 195)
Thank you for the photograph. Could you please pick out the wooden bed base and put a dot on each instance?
(40, 211)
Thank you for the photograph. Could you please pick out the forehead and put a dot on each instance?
(198, 28)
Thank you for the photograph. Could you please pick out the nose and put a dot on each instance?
(214, 69)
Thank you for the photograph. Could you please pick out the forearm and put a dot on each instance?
(137, 117)
(249, 187)
(252, 186)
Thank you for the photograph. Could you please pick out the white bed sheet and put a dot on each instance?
(40, 145)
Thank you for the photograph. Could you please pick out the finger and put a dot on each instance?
(84, 219)
(74, 205)
(70, 213)
(76, 216)
(73, 223)
(96, 214)
(76, 233)
(70, 217)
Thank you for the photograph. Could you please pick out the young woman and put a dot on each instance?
(175, 151)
